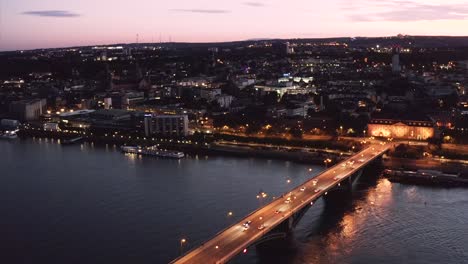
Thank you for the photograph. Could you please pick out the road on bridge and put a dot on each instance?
(234, 239)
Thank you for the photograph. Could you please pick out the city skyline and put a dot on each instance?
(47, 24)
(246, 131)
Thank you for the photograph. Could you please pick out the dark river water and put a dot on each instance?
(93, 204)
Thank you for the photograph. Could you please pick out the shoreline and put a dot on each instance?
(244, 150)
(426, 177)
(188, 146)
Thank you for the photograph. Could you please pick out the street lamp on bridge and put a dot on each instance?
(261, 195)
(229, 217)
(182, 242)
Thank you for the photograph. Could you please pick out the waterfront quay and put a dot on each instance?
(204, 144)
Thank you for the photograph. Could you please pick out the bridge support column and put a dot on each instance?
(290, 223)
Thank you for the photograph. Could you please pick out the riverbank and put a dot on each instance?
(447, 166)
(304, 155)
(426, 177)
(209, 147)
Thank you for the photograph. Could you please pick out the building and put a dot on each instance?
(210, 94)
(9, 124)
(396, 68)
(197, 82)
(110, 114)
(28, 110)
(51, 126)
(167, 125)
(283, 48)
(243, 82)
(76, 119)
(126, 100)
(225, 101)
(280, 88)
(107, 103)
(403, 129)
(289, 48)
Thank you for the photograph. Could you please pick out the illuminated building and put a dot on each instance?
(404, 129)
(167, 125)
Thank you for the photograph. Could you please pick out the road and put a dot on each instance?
(281, 148)
(280, 136)
(234, 239)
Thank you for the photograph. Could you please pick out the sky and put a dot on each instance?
(30, 24)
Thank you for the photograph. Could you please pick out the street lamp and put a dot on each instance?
(182, 242)
(229, 217)
(260, 196)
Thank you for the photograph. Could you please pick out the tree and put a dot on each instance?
(296, 132)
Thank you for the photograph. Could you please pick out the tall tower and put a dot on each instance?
(396, 67)
(289, 48)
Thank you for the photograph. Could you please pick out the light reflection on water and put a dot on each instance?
(384, 222)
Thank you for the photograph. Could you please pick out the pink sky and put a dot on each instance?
(28, 24)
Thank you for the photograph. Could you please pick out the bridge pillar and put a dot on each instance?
(290, 223)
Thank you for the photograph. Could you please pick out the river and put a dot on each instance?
(92, 204)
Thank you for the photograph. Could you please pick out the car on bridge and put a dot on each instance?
(314, 182)
(261, 227)
(303, 189)
(336, 178)
(317, 190)
(246, 225)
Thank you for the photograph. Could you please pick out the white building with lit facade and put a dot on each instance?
(401, 129)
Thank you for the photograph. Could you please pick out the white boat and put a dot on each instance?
(8, 135)
(152, 151)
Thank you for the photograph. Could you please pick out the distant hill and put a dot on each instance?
(413, 41)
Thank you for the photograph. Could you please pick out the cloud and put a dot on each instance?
(405, 11)
(203, 11)
(51, 13)
(254, 4)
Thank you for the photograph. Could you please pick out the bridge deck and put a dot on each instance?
(234, 239)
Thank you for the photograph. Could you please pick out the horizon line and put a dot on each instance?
(230, 41)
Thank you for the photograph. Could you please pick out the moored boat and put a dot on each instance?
(425, 177)
(152, 151)
(8, 135)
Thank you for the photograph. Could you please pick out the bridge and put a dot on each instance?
(281, 215)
